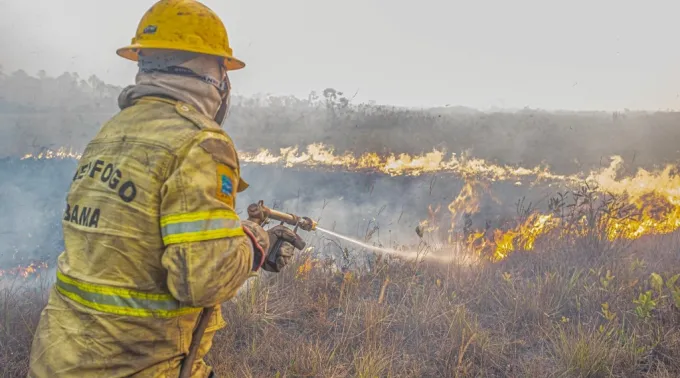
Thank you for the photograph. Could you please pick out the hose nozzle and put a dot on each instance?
(261, 214)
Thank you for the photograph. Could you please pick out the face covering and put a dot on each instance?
(171, 62)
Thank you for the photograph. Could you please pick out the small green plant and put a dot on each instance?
(676, 298)
(606, 313)
(645, 305)
(638, 264)
(657, 283)
(675, 290)
(607, 280)
(671, 281)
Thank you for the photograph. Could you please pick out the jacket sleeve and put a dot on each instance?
(207, 254)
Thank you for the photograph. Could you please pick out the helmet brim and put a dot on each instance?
(131, 52)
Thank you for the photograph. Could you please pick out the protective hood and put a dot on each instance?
(203, 96)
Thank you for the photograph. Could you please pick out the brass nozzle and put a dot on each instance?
(261, 214)
(308, 224)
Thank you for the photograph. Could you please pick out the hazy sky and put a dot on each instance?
(575, 54)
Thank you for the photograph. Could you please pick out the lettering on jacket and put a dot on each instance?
(84, 216)
(111, 176)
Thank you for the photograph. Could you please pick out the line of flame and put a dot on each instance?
(24, 271)
(652, 199)
(320, 155)
(655, 194)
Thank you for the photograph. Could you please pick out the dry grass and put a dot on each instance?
(571, 308)
(20, 306)
(552, 313)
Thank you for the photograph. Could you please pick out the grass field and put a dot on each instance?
(571, 308)
(578, 304)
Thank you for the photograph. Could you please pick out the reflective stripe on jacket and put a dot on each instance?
(119, 301)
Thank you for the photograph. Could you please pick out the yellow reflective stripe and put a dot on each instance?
(199, 215)
(200, 226)
(191, 237)
(128, 302)
(113, 291)
(126, 311)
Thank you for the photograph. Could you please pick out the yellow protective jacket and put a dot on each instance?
(151, 237)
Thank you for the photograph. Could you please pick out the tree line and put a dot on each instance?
(46, 112)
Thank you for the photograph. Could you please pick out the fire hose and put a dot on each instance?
(260, 214)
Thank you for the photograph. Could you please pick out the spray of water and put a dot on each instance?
(391, 251)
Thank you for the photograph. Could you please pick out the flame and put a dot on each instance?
(656, 195)
(319, 155)
(505, 242)
(649, 202)
(60, 154)
(33, 269)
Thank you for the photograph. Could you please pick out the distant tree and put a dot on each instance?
(335, 102)
(312, 98)
(20, 75)
(335, 99)
(95, 82)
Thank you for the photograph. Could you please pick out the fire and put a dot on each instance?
(505, 242)
(648, 202)
(319, 155)
(32, 269)
(60, 153)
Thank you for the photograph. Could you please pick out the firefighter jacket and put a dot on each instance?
(151, 237)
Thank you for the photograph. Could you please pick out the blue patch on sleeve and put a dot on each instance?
(227, 187)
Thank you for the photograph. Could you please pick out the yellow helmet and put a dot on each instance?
(184, 25)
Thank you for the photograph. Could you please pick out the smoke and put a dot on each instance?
(47, 113)
(33, 195)
(375, 208)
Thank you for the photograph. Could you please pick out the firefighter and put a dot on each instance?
(151, 235)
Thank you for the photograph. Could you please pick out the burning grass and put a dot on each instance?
(627, 206)
(589, 287)
(569, 308)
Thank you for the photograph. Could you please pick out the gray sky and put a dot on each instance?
(579, 54)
